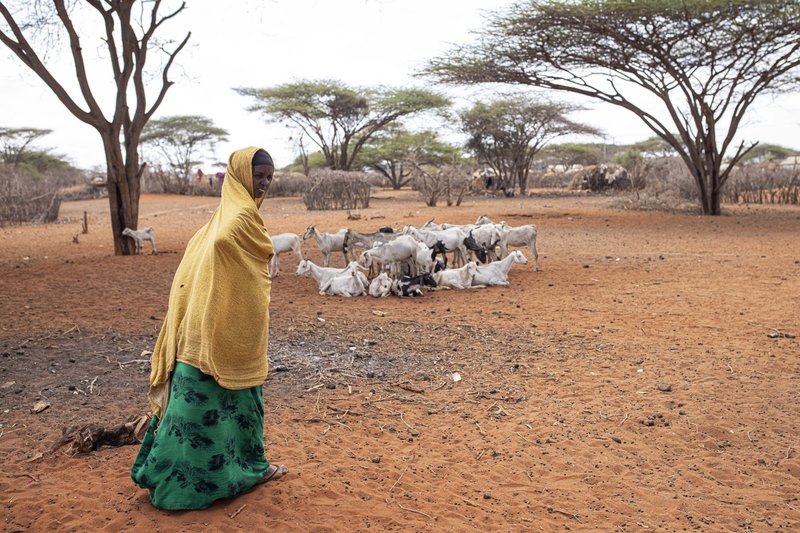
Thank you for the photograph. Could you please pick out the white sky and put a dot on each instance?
(251, 43)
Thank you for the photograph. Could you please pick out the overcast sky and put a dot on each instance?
(251, 43)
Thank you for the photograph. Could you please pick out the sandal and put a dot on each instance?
(274, 472)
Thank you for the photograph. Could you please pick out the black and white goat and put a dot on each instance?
(408, 286)
(473, 246)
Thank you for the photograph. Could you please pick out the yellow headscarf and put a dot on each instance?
(218, 315)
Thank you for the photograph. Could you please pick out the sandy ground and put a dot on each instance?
(645, 379)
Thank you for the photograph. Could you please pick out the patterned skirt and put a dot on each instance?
(209, 445)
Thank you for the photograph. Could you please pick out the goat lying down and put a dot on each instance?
(408, 286)
(496, 273)
(144, 234)
(324, 275)
(381, 286)
(456, 278)
(348, 285)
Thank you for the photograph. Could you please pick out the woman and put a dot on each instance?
(205, 441)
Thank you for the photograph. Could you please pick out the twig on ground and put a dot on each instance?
(565, 513)
(473, 504)
(396, 482)
(237, 511)
(91, 385)
(624, 419)
(413, 510)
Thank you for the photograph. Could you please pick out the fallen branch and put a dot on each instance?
(413, 510)
(565, 513)
(237, 511)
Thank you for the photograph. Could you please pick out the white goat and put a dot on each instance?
(323, 275)
(453, 239)
(520, 236)
(284, 242)
(381, 286)
(347, 285)
(391, 253)
(144, 234)
(497, 273)
(456, 278)
(327, 242)
(515, 236)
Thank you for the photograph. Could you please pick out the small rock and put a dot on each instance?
(376, 459)
(421, 376)
(370, 375)
(39, 406)
(664, 387)
(7, 384)
(281, 369)
(330, 386)
(762, 462)
(616, 439)
(71, 388)
(487, 495)
(648, 423)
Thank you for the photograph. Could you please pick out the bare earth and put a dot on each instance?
(630, 385)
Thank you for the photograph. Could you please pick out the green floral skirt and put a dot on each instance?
(210, 444)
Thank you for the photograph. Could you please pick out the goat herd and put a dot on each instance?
(402, 262)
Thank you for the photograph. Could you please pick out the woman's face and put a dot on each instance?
(262, 177)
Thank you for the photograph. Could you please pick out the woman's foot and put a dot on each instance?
(274, 472)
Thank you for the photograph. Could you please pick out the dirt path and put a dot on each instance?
(646, 378)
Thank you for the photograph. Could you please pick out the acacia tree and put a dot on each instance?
(569, 154)
(182, 139)
(15, 142)
(337, 118)
(391, 153)
(128, 39)
(508, 133)
(700, 63)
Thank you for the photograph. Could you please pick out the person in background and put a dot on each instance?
(206, 438)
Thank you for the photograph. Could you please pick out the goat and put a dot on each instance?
(408, 286)
(353, 239)
(452, 238)
(391, 253)
(381, 286)
(515, 236)
(285, 242)
(327, 242)
(347, 285)
(497, 273)
(456, 278)
(439, 248)
(323, 275)
(144, 234)
(472, 246)
(519, 236)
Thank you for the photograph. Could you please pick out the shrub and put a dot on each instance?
(337, 189)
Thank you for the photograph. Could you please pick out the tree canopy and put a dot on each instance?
(689, 69)
(128, 42)
(507, 133)
(396, 152)
(15, 143)
(181, 140)
(338, 118)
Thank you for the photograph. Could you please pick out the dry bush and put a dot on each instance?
(762, 184)
(664, 184)
(289, 184)
(25, 198)
(337, 189)
(449, 182)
